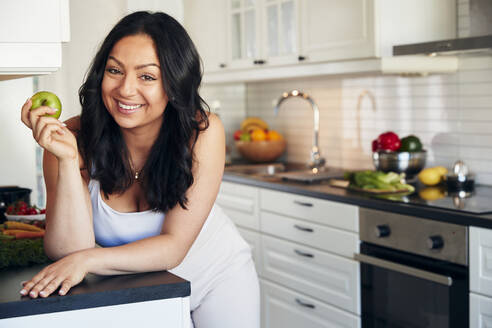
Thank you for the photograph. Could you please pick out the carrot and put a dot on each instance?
(22, 234)
(14, 225)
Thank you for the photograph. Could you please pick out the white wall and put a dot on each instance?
(17, 146)
(174, 8)
(90, 21)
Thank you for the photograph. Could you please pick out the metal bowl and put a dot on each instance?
(400, 162)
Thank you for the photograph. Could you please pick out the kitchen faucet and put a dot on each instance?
(316, 162)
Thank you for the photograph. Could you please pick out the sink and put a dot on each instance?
(285, 171)
(263, 169)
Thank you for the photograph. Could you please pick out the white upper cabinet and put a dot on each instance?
(280, 42)
(337, 30)
(355, 29)
(243, 33)
(205, 22)
(31, 35)
(262, 32)
(273, 39)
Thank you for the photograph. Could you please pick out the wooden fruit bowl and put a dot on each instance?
(261, 151)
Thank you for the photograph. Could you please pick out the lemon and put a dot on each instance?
(430, 176)
(442, 170)
(431, 193)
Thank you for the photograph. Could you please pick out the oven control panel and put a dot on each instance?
(440, 240)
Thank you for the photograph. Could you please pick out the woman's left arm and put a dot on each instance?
(163, 252)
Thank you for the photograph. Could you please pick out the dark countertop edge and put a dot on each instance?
(57, 303)
(461, 218)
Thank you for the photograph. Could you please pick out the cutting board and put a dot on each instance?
(340, 183)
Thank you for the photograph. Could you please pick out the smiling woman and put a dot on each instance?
(138, 173)
(132, 90)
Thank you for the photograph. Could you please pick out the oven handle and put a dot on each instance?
(440, 279)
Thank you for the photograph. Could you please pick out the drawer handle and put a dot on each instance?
(303, 228)
(308, 305)
(298, 202)
(301, 253)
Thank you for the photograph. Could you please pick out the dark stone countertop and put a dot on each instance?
(411, 205)
(94, 291)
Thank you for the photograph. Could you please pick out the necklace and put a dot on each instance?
(132, 167)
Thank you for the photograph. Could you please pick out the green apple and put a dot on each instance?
(46, 98)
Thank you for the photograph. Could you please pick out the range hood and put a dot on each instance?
(474, 19)
(449, 47)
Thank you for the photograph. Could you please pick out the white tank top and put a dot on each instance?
(218, 247)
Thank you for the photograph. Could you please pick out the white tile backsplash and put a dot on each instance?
(452, 114)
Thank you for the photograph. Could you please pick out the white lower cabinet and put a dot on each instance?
(480, 311)
(330, 278)
(285, 308)
(326, 238)
(480, 277)
(302, 248)
(241, 204)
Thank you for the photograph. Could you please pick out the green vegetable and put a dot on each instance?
(22, 252)
(390, 181)
(410, 144)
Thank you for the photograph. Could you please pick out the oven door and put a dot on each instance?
(402, 290)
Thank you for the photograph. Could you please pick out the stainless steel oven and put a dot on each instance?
(414, 272)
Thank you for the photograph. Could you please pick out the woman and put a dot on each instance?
(138, 173)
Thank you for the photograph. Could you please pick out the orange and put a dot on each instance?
(274, 135)
(258, 135)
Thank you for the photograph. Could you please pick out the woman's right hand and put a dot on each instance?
(49, 132)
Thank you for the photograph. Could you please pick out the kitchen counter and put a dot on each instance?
(94, 292)
(411, 205)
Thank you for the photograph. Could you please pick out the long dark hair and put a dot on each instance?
(167, 174)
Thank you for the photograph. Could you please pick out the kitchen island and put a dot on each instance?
(113, 301)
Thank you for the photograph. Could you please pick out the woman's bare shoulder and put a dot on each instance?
(214, 122)
(73, 124)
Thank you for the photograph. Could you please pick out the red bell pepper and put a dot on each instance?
(389, 141)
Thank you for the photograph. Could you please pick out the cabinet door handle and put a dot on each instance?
(259, 62)
(301, 58)
(222, 65)
(304, 304)
(298, 202)
(303, 228)
(301, 253)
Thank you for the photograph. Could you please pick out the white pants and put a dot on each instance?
(233, 303)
